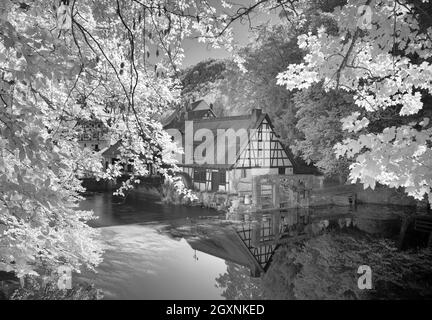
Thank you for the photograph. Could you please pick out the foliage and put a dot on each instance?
(238, 285)
(325, 267)
(269, 52)
(319, 114)
(385, 64)
(35, 289)
(172, 192)
(308, 120)
(198, 80)
(117, 63)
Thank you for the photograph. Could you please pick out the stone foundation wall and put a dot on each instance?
(293, 192)
(216, 200)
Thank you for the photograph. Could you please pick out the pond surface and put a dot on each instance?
(156, 251)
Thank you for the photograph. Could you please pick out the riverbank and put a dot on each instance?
(184, 252)
(329, 193)
(338, 194)
(34, 288)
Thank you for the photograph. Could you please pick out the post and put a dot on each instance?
(404, 228)
(276, 192)
(276, 223)
(256, 192)
(256, 234)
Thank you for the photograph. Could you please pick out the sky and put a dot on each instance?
(196, 52)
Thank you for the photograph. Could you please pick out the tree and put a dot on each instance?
(118, 62)
(238, 285)
(318, 119)
(379, 52)
(197, 81)
(114, 61)
(381, 55)
(253, 85)
(326, 266)
(308, 120)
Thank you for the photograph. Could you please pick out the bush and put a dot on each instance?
(36, 289)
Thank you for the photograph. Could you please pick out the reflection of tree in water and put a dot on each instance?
(238, 285)
(278, 282)
(325, 267)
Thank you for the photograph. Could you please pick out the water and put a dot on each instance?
(111, 211)
(142, 261)
(157, 251)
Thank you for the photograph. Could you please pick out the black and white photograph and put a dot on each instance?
(209, 150)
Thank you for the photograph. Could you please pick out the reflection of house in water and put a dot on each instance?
(253, 241)
(249, 243)
(262, 235)
(224, 243)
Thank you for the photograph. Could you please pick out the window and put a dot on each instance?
(222, 177)
(243, 173)
(96, 147)
(149, 167)
(281, 170)
(199, 175)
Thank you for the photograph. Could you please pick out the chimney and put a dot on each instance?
(256, 113)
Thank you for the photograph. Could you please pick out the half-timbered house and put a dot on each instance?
(228, 164)
(93, 134)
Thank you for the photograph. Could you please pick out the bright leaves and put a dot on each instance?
(118, 63)
(385, 66)
(113, 61)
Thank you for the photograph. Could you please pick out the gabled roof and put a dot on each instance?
(199, 114)
(112, 151)
(248, 122)
(168, 120)
(237, 123)
(177, 119)
(199, 105)
(233, 122)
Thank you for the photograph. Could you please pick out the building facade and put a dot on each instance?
(93, 134)
(229, 151)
